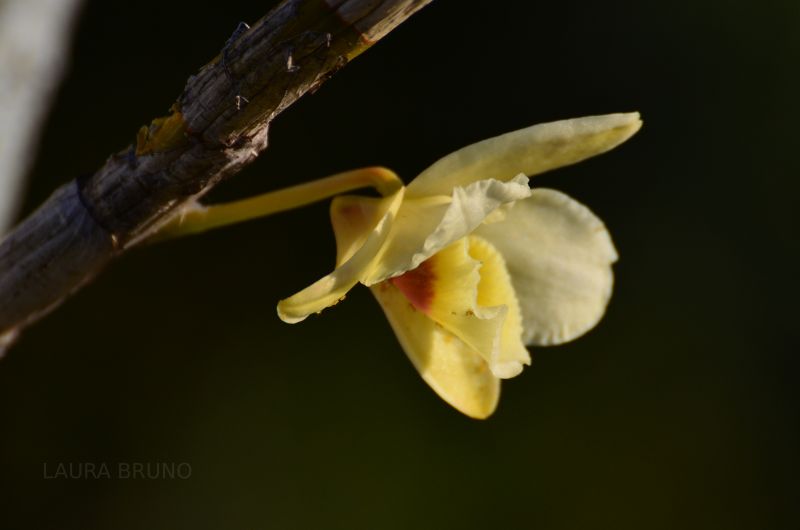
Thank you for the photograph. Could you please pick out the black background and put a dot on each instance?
(678, 411)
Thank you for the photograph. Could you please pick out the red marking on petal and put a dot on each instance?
(350, 210)
(417, 285)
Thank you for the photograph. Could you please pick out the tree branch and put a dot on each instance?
(217, 127)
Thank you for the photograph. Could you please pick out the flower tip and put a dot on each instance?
(480, 411)
(507, 370)
(613, 129)
(482, 416)
(476, 409)
(632, 122)
(288, 316)
(629, 121)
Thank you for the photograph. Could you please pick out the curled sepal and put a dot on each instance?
(328, 290)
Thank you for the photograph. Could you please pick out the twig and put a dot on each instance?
(217, 127)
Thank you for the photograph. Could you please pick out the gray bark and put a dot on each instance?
(219, 126)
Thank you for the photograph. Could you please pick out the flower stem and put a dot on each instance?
(198, 218)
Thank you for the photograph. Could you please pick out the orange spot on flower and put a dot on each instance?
(417, 285)
(350, 210)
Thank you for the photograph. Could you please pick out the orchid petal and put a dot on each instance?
(530, 151)
(496, 290)
(353, 218)
(427, 225)
(559, 255)
(458, 374)
(466, 289)
(329, 290)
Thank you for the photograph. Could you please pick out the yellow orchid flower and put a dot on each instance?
(468, 263)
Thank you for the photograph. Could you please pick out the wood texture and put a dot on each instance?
(219, 124)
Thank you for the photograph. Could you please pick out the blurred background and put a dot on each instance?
(679, 410)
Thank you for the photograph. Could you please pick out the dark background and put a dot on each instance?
(678, 411)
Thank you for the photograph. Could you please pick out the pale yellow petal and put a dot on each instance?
(426, 225)
(529, 151)
(457, 373)
(332, 288)
(559, 255)
(353, 218)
